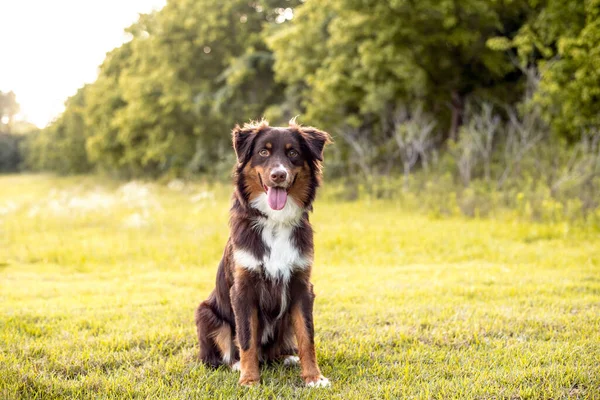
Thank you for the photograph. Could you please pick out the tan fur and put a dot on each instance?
(249, 366)
(299, 191)
(257, 125)
(306, 349)
(253, 184)
(222, 338)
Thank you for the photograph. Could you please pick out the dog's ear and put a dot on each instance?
(242, 142)
(316, 141)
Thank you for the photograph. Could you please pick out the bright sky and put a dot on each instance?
(50, 48)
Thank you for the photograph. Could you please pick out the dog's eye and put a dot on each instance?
(264, 153)
(293, 153)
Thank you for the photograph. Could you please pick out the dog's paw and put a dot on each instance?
(249, 380)
(317, 381)
(236, 366)
(291, 360)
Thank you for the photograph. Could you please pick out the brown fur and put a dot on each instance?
(306, 345)
(250, 316)
(249, 356)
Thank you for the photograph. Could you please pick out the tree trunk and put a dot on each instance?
(457, 103)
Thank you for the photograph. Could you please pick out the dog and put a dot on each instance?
(261, 309)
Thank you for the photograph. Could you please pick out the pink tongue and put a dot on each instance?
(276, 197)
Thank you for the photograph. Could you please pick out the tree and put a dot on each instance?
(103, 101)
(361, 58)
(10, 138)
(9, 108)
(60, 147)
(561, 41)
(167, 100)
(570, 86)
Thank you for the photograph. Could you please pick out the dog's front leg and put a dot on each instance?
(246, 321)
(302, 319)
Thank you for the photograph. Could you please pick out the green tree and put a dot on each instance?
(569, 90)
(60, 147)
(9, 108)
(10, 133)
(166, 100)
(103, 101)
(362, 58)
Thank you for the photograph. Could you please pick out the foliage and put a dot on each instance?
(403, 85)
(61, 146)
(372, 55)
(562, 39)
(99, 282)
(12, 133)
(165, 101)
(570, 90)
(8, 109)
(10, 155)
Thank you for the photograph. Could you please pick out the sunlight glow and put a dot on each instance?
(51, 48)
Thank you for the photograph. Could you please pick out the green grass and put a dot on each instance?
(98, 285)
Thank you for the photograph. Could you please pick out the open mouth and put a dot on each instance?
(276, 197)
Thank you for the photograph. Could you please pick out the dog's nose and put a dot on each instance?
(278, 176)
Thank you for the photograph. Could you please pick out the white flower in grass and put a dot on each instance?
(91, 202)
(177, 185)
(136, 220)
(135, 194)
(202, 196)
(8, 208)
(33, 211)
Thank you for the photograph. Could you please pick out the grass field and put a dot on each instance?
(99, 281)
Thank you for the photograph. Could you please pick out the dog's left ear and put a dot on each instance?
(316, 141)
(242, 142)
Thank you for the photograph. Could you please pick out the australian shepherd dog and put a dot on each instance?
(261, 309)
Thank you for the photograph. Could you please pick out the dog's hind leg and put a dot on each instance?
(214, 337)
(223, 338)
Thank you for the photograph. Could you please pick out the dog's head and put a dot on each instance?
(279, 161)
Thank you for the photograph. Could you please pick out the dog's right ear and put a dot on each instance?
(242, 142)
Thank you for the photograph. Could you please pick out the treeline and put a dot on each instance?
(502, 92)
(11, 133)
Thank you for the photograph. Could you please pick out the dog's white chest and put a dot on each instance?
(281, 256)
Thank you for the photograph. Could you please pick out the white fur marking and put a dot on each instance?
(236, 366)
(276, 232)
(283, 299)
(284, 256)
(291, 360)
(227, 358)
(322, 382)
(246, 259)
(266, 334)
(281, 168)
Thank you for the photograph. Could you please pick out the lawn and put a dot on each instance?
(99, 281)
